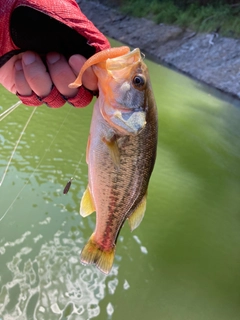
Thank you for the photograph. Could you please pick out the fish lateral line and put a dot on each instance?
(97, 58)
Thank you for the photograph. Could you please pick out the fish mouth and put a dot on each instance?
(126, 120)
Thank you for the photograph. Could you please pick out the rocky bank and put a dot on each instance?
(209, 58)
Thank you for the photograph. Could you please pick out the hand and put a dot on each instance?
(26, 73)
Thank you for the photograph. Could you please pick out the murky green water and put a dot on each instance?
(183, 262)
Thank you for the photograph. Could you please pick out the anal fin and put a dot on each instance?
(136, 217)
(87, 206)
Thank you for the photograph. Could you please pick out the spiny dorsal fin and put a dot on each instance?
(87, 205)
(136, 217)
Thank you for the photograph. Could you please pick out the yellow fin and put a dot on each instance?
(87, 206)
(93, 254)
(136, 217)
(113, 149)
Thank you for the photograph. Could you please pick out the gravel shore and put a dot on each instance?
(210, 58)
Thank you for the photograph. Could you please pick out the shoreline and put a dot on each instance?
(209, 58)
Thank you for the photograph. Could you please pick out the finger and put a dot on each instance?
(7, 73)
(61, 74)
(21, 84)
(36, 74)
(89, 78)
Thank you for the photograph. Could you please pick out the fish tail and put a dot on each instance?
(92, 253)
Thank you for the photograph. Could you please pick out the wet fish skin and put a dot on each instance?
(120, 155)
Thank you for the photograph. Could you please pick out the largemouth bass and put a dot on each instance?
(121, 150)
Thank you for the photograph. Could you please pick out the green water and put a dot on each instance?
(182, 263)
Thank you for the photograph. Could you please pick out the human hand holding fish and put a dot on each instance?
(121, 149)
(26, 73)
(43, 45)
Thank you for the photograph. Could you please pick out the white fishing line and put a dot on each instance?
(78, 164)
(39, 163)
(9, 110)
(15, 147)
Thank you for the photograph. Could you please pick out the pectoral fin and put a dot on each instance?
(87, 206)
(113, 150)
(136, 217)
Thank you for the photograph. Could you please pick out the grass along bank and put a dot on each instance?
(214, 16)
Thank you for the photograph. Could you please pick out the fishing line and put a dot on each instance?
(9, 110)
(15, 147)
(68, 185)
(39, 163)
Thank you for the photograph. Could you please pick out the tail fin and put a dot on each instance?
(93, 254)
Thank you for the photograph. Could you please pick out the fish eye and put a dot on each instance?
(139, 82)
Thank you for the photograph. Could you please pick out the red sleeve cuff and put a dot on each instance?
(82, 99)
(56, 100)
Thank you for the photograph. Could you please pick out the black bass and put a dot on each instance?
(121, 149)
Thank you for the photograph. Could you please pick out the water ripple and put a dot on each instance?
(18, 241)
(53, 284)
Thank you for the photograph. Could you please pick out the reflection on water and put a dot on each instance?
(53, 282)
(182, 262)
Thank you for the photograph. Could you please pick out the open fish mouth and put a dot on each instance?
(125, 109)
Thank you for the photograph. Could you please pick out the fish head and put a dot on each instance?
(123, 88)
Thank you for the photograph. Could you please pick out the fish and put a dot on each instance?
(121, 149)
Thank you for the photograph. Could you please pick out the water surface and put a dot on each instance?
(182, 262)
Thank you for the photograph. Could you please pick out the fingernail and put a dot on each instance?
(28, 58)
(18, 65)
(53, 57)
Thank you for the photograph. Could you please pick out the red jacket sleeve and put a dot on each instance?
(47, 25)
